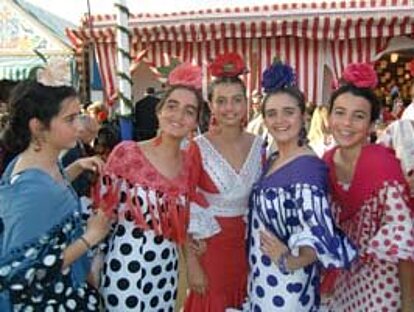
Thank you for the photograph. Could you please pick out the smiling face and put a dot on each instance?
(283, 118)
(350, 120)
(228, 104)
(178, 115)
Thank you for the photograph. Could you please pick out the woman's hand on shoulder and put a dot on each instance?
(94, 164)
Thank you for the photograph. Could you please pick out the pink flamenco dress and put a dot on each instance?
(374, 212)
(222, 225)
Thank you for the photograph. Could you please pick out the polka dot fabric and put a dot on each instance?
(140, 271)
(383, 231)
(34, 280)
(300, 216)
(141, 263)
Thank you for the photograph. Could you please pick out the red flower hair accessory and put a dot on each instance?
(186, 74)
(227, 65)
(361, 75)
(102, 116)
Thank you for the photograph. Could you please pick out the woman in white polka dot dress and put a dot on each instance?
(291, 230)
(146, 185)
(43, 263)
(371, 204)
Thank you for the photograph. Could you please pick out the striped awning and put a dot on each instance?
(308, 36)
(17, 67)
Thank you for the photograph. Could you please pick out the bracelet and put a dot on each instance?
(282, 263)
(85, 242)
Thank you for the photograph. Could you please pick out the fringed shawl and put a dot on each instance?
(167, 199)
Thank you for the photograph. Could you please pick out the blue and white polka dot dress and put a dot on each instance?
(299, 215)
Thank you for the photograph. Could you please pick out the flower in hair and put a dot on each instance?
(361, 75)
(227, 65)
(278, 76)
(56, 73)
(186, 74)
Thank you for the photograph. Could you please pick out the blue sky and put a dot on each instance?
(74, 9)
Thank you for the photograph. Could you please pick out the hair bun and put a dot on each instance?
(361, 75)
(227, 65)
(278, 76)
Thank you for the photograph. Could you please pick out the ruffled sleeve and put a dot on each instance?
(202, 223)
(394, 239)
(333, 249)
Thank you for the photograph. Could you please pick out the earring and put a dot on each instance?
(37, 146)
(158, 139)
(191, 135)
(243, 122)
(213, 126)
(302, 140)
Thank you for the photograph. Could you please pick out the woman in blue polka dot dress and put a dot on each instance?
(43, 247)
(291, 232)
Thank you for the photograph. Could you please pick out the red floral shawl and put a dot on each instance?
(375, 166)
(168, 214)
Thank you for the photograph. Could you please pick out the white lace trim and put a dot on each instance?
(234, 188)
(203, 224)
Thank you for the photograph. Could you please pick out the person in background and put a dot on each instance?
(409, 110)
(320, 140)
(370, 201)
(6, 87)
(291, 230)
(226, 162)
(43, 263)
(145, 117)
(105, 141)
(256, 103)
(87, 131)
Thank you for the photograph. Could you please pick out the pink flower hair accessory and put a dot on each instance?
(186, 74)
(361, 75)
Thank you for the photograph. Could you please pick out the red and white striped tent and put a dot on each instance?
(309, 36)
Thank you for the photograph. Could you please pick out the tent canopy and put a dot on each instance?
(307, 36)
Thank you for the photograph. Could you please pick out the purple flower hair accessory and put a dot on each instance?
(278, 76)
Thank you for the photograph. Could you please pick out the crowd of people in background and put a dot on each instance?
(230, 203)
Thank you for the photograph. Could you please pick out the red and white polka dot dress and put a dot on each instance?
(383, 231)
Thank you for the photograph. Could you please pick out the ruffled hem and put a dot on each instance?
(202, 224)
(214, 302)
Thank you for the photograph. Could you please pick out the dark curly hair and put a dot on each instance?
(365, 93)
(30, 99)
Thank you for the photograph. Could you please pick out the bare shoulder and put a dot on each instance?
(147, 148)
